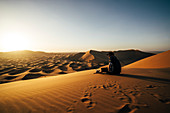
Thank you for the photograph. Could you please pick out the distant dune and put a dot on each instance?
(161, 60)
(130, 56)
(155, 52)
(125, 56)
(76, 56)
(95, 56)
(30, 64)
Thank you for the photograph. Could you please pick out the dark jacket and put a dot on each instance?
(116, 65)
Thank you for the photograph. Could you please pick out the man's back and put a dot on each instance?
(116, 64)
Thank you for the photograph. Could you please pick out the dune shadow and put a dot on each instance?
(63, 68)
(153, 79)
(32, 76)
(62, 72)
(6, 70)
(10, 77)
(48, 70)
(35, 70)
(18, 71)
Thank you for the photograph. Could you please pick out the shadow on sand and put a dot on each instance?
(153, 79)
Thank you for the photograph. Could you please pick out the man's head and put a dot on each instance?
(110, 54)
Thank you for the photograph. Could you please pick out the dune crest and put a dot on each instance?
(95, 56)
(160, 60)
(125, 56)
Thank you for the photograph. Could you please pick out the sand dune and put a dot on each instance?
(125, 56)
(16, 65)
(32, 76)
(141, 90)
(160, 60)
(86, 92)
(95, 57)
(75, 57)
(129, 56)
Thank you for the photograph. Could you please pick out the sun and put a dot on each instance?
(14, 42)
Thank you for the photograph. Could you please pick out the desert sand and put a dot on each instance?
(22, 65)
(135, 90)
(160, 60)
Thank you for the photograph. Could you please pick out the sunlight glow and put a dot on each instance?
(14, 42)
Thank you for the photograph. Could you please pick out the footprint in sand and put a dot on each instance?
(127, 96)
(107, 86)
(135, 93)
(88, 102)
(163, 100)
(151, 87)
(86, 99)
(130, 108)
(124, 109)
(71, 108)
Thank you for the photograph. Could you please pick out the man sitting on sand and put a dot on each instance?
(114, 64)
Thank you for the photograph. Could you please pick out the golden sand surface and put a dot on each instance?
(160, 60)
(22, 65)
(135, 90)
(86, 92)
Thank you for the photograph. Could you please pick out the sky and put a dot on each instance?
(81, 25)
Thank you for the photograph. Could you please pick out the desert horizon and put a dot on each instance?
(16, 65)
(84, 56)
(151, 51)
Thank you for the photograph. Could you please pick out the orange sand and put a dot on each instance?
(141, 90)
(86, 92)
(161, 60)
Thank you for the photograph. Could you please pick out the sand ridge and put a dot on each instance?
(160, 60)
(125, 56)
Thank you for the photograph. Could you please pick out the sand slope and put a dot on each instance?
(125, 56)
(86, 92)
(95, 56)
(75, 57)
(129, 56)
(161, 60)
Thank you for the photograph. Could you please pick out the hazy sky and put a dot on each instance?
(80, 25)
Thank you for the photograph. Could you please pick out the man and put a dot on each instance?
(114, 64)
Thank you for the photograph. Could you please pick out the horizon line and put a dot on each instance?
(82, 51)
